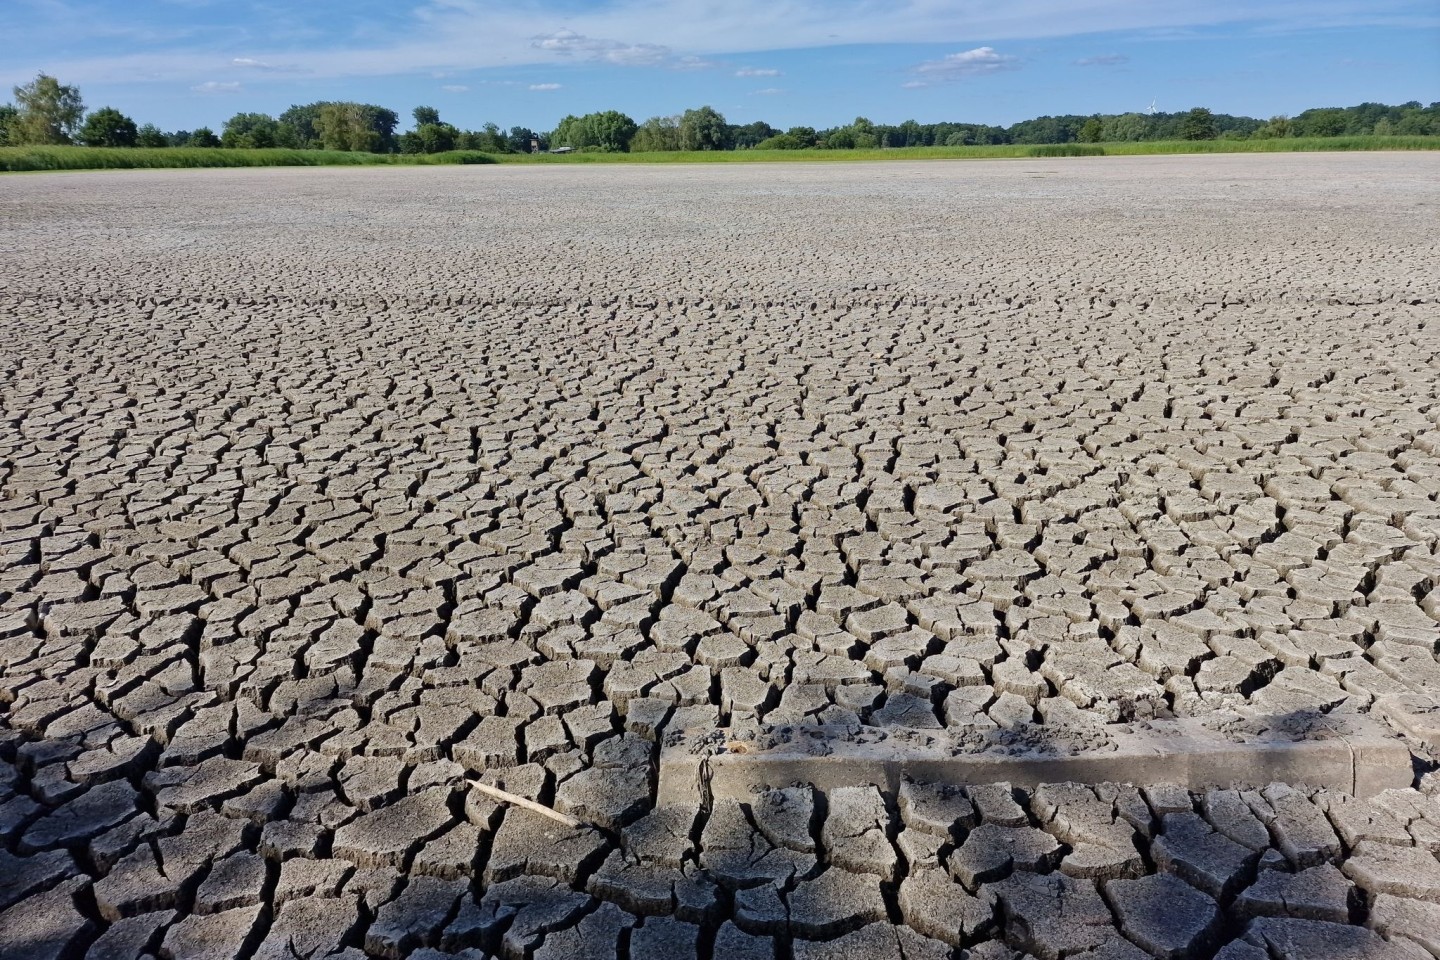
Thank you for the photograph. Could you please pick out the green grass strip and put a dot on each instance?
(137, 158)
(115, 158)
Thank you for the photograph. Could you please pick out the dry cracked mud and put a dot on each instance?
(323, 492)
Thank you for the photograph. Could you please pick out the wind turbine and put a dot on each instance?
(1151, 111)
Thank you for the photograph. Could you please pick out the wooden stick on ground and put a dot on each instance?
(505, 796)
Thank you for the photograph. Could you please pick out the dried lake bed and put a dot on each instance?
(882, 560)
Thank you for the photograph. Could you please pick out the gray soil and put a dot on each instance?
(324, 492)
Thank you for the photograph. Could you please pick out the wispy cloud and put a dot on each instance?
(756, 72)
(693, 63)
(455, 88)
(1104, 60)
(978, 62)
(545, 86)
(767, 92)
(265, 66)
(568, 43)
(218, 86)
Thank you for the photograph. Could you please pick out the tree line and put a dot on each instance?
(46, 111)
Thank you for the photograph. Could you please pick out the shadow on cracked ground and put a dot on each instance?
(113, 848)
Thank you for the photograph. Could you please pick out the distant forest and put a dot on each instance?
(47, 111)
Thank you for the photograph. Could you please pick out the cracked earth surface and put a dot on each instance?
(323, 492)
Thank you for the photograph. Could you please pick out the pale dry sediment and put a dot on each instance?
(323, 492)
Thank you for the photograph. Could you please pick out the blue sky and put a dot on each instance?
(186, 63)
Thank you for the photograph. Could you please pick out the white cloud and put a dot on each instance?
(455, 88)
(266, 66)
(216, 86)
(545, 86)
(767, 92)
(568, 43)
(967, 63)
(693, 63)
(1104, 60)
(571, 45)
(756, 72)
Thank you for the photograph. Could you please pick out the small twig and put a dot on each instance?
(505, 796)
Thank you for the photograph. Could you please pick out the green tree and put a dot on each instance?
(1418, 121)
(203, 137)
(1328, 122)
(8, 115)
(300, 120)
(749, 135)
(610, 131)
(436, 137)
(424, 116)
(1124, 128)
(519, 138)
(781, 141)
(566, 131)
(866, 135)
(703, 129)
(249, 131)
(491, 139)
(1277, 128)
(1092, 131)
(909, 134)
(657, 134)
(1198, 124)
(805, 136)
(150, 135)
(287, 136)
(344, 126)
(356, 127)
(108, 127)
(47, 111)
(1047, 129)
(341, 126)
